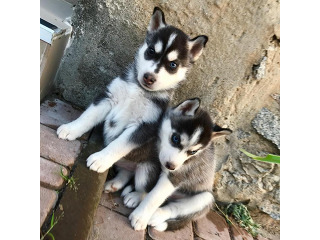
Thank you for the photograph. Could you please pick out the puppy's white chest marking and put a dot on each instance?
(129, 107)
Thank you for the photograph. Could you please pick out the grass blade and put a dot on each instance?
(270, 158)
(51, 235)
(52, 220)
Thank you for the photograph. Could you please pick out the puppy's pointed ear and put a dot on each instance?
(196, 46)
(218, 131)
(157, 20)
(188, 107)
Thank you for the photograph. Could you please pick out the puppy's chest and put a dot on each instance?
(130, 107)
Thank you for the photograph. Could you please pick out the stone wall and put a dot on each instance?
(237, 75)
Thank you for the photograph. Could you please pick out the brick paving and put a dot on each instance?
(111, 212)
(50, 174)
(63, 152)
(113, 226)
(185, 233)
(115, 203)
(48, 199)
(240, 234)
(213, 226)
(111, 216)
(54, 112)
(55, 154)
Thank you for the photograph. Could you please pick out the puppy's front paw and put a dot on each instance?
(68, 132)
(98, 163)
(131, 200)
(158, 218)
(139, 219)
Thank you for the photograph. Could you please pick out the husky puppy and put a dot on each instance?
(133, 103)
(183, 189)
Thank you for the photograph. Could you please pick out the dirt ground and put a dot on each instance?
(270, 228)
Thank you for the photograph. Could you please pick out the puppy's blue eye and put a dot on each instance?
(192, 152)
(173, 65)
(151, 51)
(175, 138)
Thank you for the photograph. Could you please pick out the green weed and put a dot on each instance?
(71, 181)
(242, 216)
(53, 222)
(270, 158)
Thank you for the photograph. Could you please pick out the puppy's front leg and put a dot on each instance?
(140, 216)
(95, 114)
(117, 149)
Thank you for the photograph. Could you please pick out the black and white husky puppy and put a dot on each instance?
(132, 103)
(183, 188)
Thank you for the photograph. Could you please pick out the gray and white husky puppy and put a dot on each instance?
(133, 103)
(182, 189)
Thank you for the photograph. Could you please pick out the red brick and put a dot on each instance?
(113, 226)
(48, 199)
(261, 238)
(184, 233)
(114, 202)
(60, 151)
(212, 227)
(50, 174)
(54, 113)
(239, 233)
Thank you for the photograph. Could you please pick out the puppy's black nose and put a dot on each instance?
(148, 78)
(170, 166)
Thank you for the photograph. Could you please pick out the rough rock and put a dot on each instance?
(268, 125)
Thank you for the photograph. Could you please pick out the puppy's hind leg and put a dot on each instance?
(146, 174)
(121, 179)
(175, 215)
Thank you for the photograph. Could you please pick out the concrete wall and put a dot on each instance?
(237, 75)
